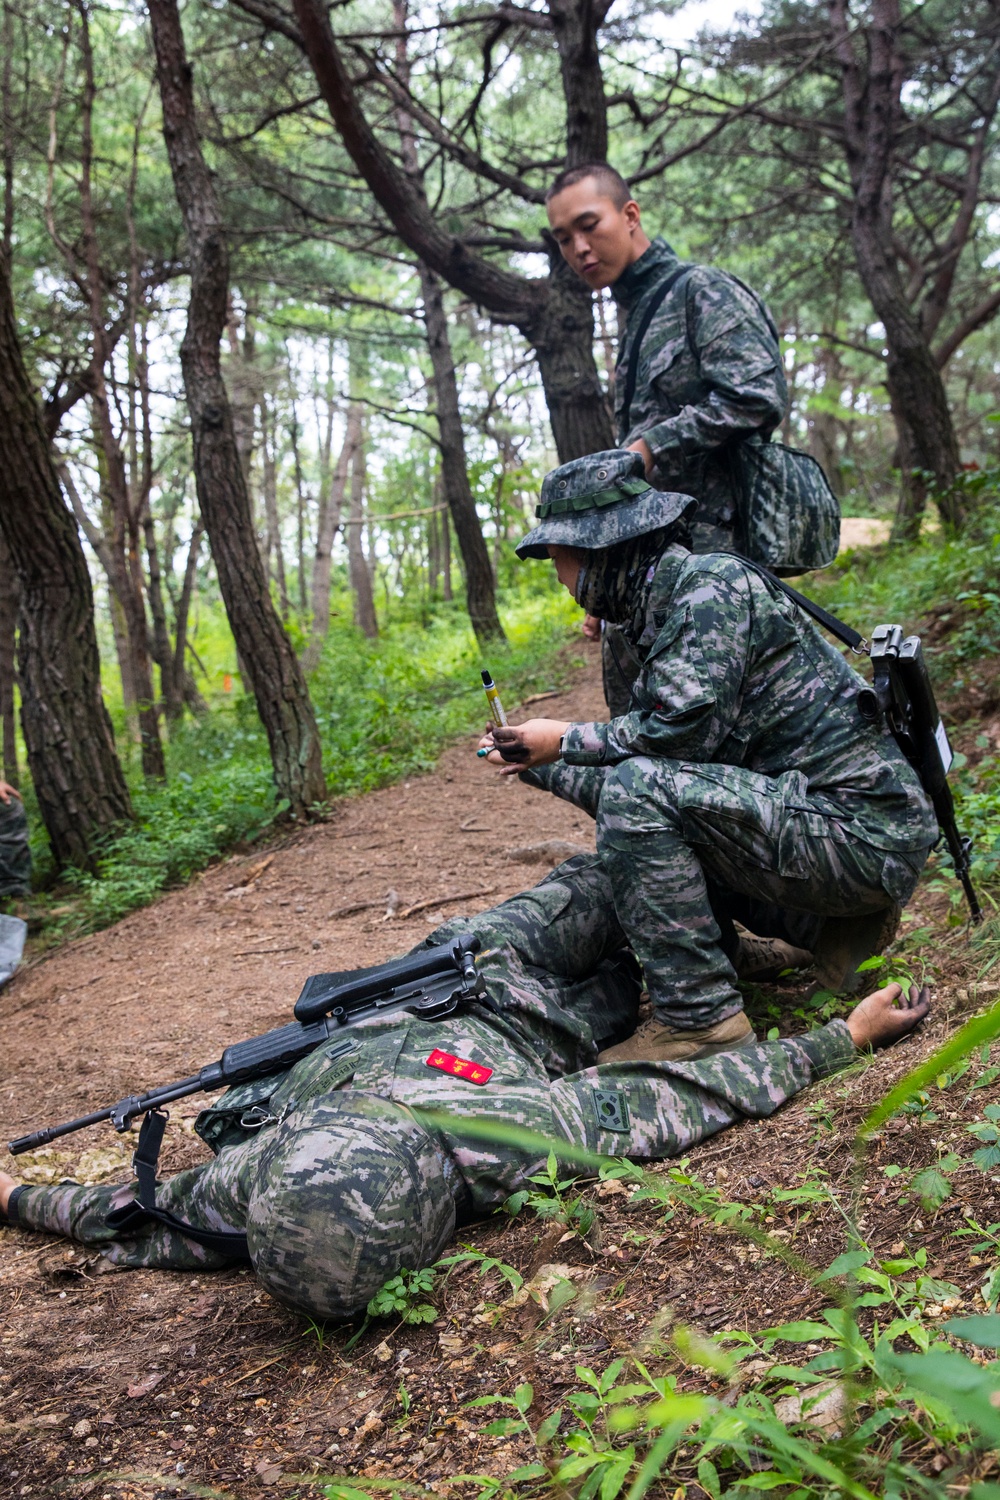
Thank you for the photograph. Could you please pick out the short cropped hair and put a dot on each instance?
(611, 182)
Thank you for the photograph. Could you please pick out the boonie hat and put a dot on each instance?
(598, 500)
(348, 1191)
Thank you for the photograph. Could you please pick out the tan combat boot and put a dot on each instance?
(655, 1041)
(765, 958)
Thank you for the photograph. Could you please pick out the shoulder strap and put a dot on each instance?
(654, 303)
(143, 1207)
(845, 633)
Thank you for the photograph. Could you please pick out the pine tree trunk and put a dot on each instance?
(180, 671)
(71, 750)
(162, 651)
(361, 578)
(9, 595)
(480, 587)
(272, 544)
(276, 678)
(562, 335)
(329, 524)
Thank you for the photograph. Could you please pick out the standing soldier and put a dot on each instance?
(699, 376)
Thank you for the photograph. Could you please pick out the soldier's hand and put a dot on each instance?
(591, 628)
(641, 446)
(7, 791)
(519, 747)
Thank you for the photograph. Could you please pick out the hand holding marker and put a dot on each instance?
(507, 742)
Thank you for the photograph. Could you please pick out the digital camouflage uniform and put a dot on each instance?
(15, 855)
(743, 774)
(348, 1178)
(709, 373)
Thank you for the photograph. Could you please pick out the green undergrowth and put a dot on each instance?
(385, 710)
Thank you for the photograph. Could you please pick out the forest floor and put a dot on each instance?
(139, 1385)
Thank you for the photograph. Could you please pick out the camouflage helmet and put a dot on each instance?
(596, 501)
(349, 1191)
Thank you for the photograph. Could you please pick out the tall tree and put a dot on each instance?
(330, 515)
(875, 131)
(480, 584)
(71, 750)
(276, 677)
(555, 312)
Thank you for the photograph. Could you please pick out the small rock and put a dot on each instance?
(83, 1428)
(383, 1353)
(823, 1406)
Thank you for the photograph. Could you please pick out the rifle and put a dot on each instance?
(902, 694)
(429, 984)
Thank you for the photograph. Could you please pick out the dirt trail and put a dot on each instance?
(134, 1386)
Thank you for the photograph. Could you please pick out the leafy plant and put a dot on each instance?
(399, 1297)
(554, 1200)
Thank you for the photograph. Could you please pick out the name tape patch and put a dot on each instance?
(460, 1067)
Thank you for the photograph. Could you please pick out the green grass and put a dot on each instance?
(385, 710)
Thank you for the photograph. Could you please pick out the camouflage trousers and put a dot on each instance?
(689, 848)
(541, 1047)
(15, 855)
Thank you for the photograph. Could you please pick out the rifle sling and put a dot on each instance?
(143, 1207)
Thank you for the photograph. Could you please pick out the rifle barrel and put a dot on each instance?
(53, 1132)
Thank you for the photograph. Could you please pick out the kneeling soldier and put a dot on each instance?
(348, 1168)
(742, 784)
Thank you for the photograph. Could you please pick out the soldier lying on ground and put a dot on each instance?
(743, 783)
(340, 1177)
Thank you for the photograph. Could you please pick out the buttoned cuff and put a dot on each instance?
(829, 1048)
(585, 744)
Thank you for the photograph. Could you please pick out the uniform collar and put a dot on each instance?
(636, 279)
(660, 592)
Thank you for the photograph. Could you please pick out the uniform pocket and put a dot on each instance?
(901, 872)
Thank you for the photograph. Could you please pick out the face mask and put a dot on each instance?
(614, 581)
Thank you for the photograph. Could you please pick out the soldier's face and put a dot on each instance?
(597, 238)
(568, 561)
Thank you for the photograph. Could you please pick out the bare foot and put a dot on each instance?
(7, 1186)
(882, 1018)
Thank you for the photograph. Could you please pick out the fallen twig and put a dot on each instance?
(411, 911)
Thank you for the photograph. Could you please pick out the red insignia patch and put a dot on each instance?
(460, 1067)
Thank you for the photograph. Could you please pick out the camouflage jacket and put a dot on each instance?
(733, 672)
(709, 370)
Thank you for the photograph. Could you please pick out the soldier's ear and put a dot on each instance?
(633, 214)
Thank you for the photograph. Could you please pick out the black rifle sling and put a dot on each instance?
(632, 372)
(845, 633)
(143, 1207)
